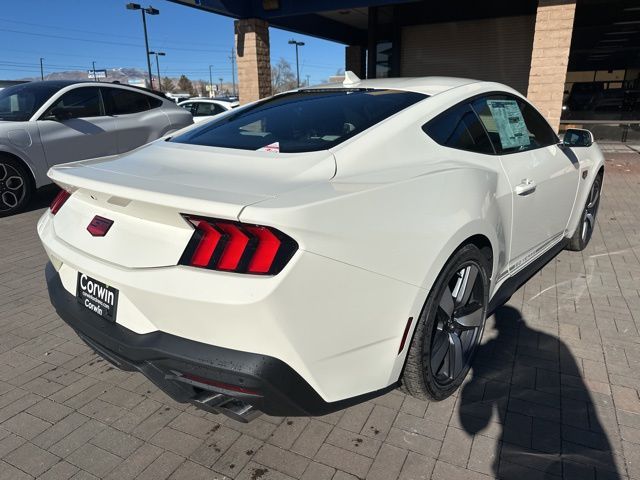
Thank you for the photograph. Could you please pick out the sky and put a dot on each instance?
(71, 34)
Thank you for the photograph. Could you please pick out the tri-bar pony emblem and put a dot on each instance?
(99, 226)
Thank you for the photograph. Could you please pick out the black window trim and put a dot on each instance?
(136, 90)
(470, 109)
(469, 101)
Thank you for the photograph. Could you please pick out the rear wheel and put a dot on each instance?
(449, 328)
(15, 186)
(582, 235)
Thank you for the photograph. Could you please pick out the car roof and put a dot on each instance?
(211, 100)
(60, 84)
(426, 85)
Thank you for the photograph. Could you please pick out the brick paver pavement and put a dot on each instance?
(553, 393)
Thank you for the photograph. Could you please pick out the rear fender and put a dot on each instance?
(405, 230)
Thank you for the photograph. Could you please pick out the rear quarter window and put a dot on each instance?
(123, 101)
(303, 121)
(459, 128)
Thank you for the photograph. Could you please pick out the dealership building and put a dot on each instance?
(578, 61)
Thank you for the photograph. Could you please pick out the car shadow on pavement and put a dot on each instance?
(527, 387)
(42, 198)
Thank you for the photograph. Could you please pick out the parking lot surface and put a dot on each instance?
(553, 392)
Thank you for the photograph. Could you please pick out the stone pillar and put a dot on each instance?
(252, 53)
(550, 57)
(354, 60)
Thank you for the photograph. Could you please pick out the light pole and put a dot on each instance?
(297, 44)
(151, 11)
(233, 71)
(95, 79)
(220, 85)
(210, 83)
(157, 54)
(41, 69)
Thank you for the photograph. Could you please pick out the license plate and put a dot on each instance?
(97, 297)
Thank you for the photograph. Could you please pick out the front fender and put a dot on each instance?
(30, 154)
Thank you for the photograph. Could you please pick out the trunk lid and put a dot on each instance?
(145, 191)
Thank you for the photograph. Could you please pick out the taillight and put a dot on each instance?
(237, 247)
(57, 203)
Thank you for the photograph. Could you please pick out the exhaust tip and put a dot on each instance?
(239, 411)
(231, 407)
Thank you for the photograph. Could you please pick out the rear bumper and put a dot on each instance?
(279, 389)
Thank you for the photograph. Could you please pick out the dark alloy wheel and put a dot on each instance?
(582, 235)
(450, 327)
(15, 187)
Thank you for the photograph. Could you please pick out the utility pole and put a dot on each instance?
(41, 69)
(297, 44)
(220, 84)
(308, 83)
(233, 71)
(162, 54)
(210, 82)
(151, 11)
(95, 79)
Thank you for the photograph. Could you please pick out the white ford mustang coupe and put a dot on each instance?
(315, 249)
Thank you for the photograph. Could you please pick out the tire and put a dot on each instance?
(584, 230)
(16, 186)
(449, 328)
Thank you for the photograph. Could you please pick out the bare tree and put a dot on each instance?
(282, 76)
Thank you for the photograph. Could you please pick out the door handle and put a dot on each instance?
(526, 187)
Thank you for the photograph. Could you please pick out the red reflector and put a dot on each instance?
(404, 335)
(57, 203)
(99, 226)
(206, 247)
(234, 248)
(265, 254)
(225, 386)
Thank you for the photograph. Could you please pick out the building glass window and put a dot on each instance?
(384, 53)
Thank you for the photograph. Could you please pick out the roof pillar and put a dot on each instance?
(550, 57)
(252, 54)
(355, 60)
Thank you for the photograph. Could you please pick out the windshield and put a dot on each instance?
(19, 102)
(303, 121)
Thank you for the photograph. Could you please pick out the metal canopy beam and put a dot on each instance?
(271, 9)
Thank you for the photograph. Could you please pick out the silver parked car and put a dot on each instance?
(46, 123)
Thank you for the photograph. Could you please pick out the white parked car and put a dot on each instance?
(204, 108)
(320, 247)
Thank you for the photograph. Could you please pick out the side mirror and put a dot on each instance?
(577, 137)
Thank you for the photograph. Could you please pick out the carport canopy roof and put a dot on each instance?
(606, 33)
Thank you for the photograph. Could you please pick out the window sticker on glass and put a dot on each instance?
(272, 147)
(511, 127)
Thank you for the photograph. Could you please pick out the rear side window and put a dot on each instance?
(190, 107)
(122, 102)
(206, 109)
(304, 121)
(459, 128)
(513, 124)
